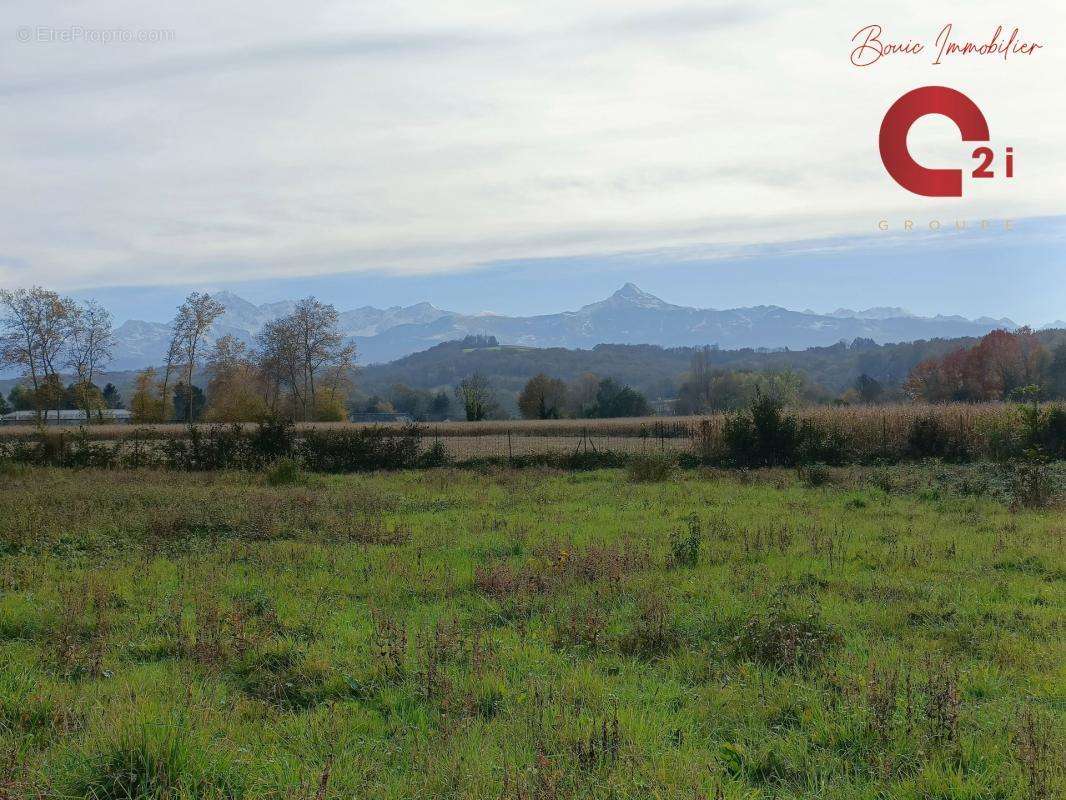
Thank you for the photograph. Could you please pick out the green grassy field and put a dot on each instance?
(534, 634)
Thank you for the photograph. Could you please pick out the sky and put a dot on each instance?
(518, 157)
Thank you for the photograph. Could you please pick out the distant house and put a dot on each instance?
(108, 416)
(664, 407)
(379, 416)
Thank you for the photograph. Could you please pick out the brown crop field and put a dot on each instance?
(984, 428)
(883, 420)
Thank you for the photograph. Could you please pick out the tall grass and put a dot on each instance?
(891, 632)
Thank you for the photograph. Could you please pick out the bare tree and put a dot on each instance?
(698, 387)
(89, 342)
(320, 344)
(173, 355)
(194, 318)
(302, 350)
(18, 345)
(228, 355)
(277, 362)
(36, 328)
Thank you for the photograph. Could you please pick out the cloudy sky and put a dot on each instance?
(264, 142)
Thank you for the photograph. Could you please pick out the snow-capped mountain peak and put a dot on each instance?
(628, 316)
(630, 296)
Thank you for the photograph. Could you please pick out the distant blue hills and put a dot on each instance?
(629, 316)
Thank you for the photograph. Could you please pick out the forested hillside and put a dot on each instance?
(654, 370)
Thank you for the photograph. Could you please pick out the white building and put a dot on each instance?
(108, 416)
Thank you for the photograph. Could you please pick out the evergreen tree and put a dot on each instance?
(184, 396)
(112, 399)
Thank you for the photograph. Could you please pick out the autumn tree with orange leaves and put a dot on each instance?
(999, 365)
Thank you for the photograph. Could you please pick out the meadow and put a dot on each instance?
(863, 632)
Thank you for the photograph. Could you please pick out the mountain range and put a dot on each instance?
(629, 316)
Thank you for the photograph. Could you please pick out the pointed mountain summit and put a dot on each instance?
(629, 296)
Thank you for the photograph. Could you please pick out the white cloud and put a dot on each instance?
(271, 138)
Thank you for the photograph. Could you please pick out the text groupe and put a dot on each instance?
(937, 225)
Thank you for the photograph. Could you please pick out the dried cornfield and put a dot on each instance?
(985, 430)
(867, 431)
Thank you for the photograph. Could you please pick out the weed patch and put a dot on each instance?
(654, 468)
(785, 639)
(153, 763)
(280, 673)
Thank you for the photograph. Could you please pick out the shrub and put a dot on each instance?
(653, 468)
(284, 473)
(82, 453)
(762, 436)
(785, 639)
(685, 545)
(436, 455)
(818, 446)
(585, 459)
(273, 438)
(219, 447)
(705, 442)
(1044, 429)
(999, 437)
(362, 449)
(928, 437)
(10, 470)
(815, 475)
(63, 449)
(53, 449)
(1032, 484)
(141, 450)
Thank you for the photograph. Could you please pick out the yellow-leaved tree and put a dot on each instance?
(148, 404)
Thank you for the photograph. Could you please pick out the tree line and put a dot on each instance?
(45, 337)
(298, 368)
(475, 398)
(301, 367)
(1003, 365)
